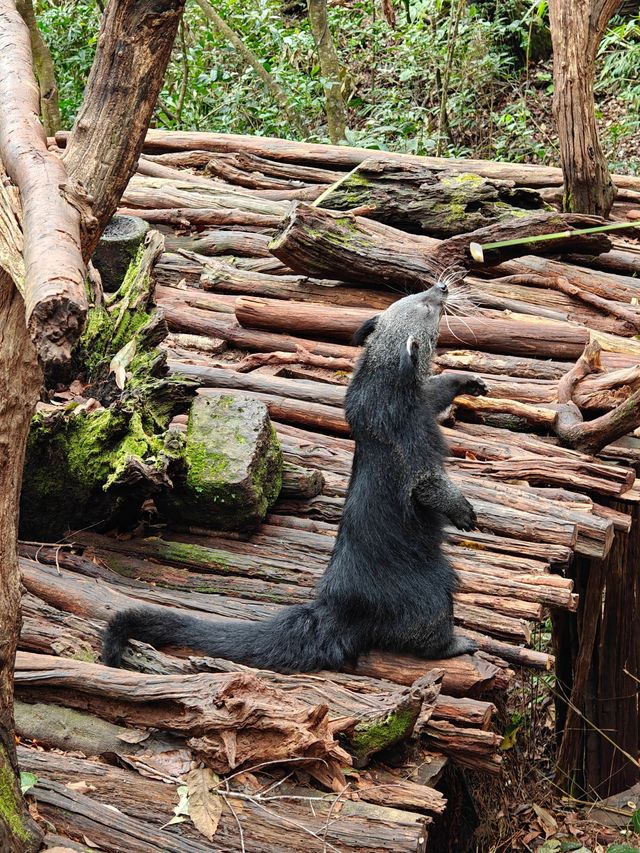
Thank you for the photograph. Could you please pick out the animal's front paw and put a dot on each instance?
(463, 515)
(475, 386)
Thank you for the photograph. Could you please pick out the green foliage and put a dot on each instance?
(70, 29)
(498, 99)
(27, 781)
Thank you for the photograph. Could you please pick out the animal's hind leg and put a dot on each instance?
(442, 642)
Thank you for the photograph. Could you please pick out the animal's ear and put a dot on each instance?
(410, 355)
(365, 330)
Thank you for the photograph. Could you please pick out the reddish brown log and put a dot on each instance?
(206, 323)
(54, 207)
(516, 337)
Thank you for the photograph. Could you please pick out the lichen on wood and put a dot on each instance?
(441, 203)
(234, 464)
(96, 463)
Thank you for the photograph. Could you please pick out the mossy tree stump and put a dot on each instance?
(439, 203)
(117, 248)
(95, 461)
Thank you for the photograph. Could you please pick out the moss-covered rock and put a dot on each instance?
(234, 464)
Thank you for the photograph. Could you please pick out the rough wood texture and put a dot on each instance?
(415, 198)
(232, 720)
(108, 134)
(576, 30)
(52, 204)
(20, 379)
(266, 823)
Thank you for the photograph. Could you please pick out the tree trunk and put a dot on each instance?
(20, 380)
(133, 50)
(329, 69)
(46, 209)
(45, 73)
(576, 30)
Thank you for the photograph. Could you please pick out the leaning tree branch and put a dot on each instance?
(54, 296)
(134, 47)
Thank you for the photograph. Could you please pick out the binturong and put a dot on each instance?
(388, 584)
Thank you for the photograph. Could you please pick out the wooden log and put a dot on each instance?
(415, 198)
(477, 361)
(70, 731)
(510, 336)
(205, 323)
(300, 482)
(54, 206)
(176, 269)
(208, 708)
(80, 817)
(320, 243)
(224, 278)
(276, 190)
(532, 225)
(184, 217)
(212, 242)
(469, 745)
(295, 389)
(161, 193)
(464, 676)
(345, 157)
(250, 167)
(122, 814)
(96, 599)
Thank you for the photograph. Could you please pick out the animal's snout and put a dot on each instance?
(441, 285)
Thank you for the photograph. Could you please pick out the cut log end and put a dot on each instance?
(55, 324)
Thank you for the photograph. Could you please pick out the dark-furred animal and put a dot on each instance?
(388, 585)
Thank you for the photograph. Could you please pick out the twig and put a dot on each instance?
(328, 820)
(237, 820)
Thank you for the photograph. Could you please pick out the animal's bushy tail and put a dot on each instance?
(302, 638)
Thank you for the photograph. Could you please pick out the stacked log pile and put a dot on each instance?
(262, 290)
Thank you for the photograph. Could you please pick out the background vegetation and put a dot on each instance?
(495, 55)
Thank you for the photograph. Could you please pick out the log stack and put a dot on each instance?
(259, 301)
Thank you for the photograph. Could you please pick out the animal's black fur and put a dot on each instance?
(388, 584)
